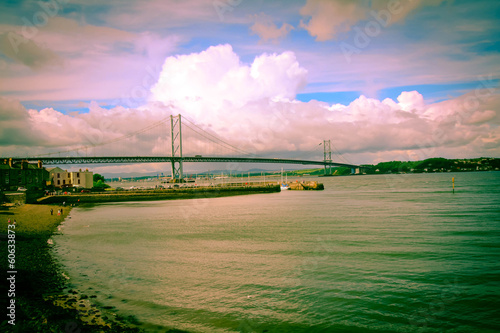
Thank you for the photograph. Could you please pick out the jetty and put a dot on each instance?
(158, 194)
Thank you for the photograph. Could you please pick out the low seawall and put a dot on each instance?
(14, 198)
(163, 194)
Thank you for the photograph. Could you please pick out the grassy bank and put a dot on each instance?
(41, 305)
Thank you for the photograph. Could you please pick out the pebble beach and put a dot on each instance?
(43, 300)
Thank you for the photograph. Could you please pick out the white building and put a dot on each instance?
(82, 178)
(63, 178)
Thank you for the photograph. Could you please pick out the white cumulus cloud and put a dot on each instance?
(208, 81)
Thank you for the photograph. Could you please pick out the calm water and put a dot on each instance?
(396, 253)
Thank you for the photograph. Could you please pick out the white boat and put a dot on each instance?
(284, 186)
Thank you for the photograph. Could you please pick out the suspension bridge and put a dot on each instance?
(174, 144)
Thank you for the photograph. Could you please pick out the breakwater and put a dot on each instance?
(158, 194)
(306, 186)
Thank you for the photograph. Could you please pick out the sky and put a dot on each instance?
(383, 80)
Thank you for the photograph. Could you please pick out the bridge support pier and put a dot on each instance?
(176, 135)
(327, 156)
(328, 169)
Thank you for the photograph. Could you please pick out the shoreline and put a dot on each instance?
(43, 302)
(43, 297)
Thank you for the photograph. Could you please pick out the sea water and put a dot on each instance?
(382, 253)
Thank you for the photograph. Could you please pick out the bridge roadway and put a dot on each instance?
(158, 159)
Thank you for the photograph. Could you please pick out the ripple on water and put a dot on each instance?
(366, 254)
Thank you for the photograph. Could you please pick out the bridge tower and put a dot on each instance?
(327, 156)
(176, 134)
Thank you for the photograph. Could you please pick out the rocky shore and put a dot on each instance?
(42, 301)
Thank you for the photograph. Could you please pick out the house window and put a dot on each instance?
(64, 181)
(77, 175)
(58, 175)
(78, 181)
(58, 182)
(69, 175)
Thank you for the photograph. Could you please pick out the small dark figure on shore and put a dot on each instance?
(51, 211)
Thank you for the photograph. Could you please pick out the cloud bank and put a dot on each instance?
(253, 106)
(66, 59)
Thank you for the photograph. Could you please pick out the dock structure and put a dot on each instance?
(158, 194)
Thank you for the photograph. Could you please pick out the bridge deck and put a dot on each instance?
(159, 159)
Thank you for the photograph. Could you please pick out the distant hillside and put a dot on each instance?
(429, 165)
(318, 172)
(436, 165)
